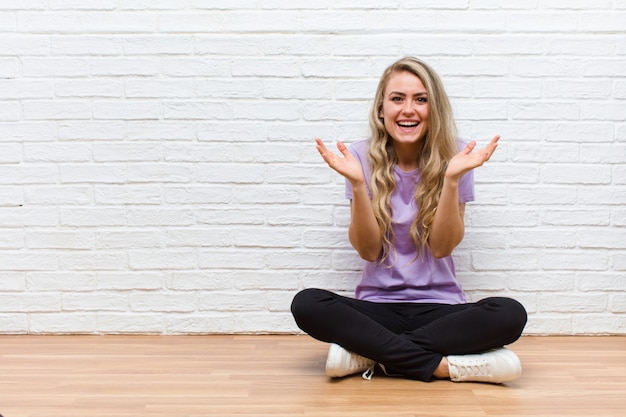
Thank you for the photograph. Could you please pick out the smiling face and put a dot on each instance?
(405, 108)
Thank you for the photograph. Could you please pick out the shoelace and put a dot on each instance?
(369, 373)
(481, 369)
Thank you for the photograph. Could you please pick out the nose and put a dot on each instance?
(408, 108)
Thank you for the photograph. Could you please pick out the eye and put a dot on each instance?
(422, 100)
(396, 99)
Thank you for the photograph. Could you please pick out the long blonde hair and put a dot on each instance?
(438, 147)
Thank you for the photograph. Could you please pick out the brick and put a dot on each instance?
(94, 130)
(576, 174)
(196, 67)
(24, 45)
(96, 302)
(159, 217)
(128, 280)
(58, 152)
(19, 216)
(93, 173)
(123, 239)
(91, 217)
(94, 261)
(558, 217)
(56, 110)
(276, 237)
(159, 130)
(65, 322)
(139, 88)
(57, 67)
(202, 237)
(127, 194)
(114, 67)
(580, 132)
(601, 237)
(158, 44)
(126, 110)
(130, 323)
(505, 261)
(82, 44)
(28, 174)
(89, 88)
(232, 259)
(162, 302)
(14, 323)
(191, 110)
(231, 173)
(574, 260)
(43, 239)
(162, 259)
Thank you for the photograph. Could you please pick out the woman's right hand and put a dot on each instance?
(346, 165)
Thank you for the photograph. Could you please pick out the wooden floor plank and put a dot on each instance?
(271, 375)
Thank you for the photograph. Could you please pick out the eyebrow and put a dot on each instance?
(399, 93)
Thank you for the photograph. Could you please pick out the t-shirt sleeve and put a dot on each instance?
(466, 183)
(359, 151)
(466, 187)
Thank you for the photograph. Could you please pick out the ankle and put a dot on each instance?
(442, 371)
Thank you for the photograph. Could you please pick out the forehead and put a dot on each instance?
(404, 82)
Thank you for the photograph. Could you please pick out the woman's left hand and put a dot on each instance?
(467, 160)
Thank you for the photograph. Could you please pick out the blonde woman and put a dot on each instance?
(408, 185)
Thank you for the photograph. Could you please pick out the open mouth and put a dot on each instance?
(408, 124)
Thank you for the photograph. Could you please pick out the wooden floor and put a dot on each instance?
(150, 376)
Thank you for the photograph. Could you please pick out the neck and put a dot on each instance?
(407, 154)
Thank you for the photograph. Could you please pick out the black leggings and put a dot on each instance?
(408, 338)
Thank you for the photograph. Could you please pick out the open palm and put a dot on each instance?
(346, 164)
(467, 160)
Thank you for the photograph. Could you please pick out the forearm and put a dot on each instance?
(364, 233)
(448, 227)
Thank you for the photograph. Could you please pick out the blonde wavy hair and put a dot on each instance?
(438, 147)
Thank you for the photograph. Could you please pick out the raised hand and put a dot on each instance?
(346, 165)
(467, 160)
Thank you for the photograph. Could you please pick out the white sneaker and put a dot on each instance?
(496, 366)
(340, 363)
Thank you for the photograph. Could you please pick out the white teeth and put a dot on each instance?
(408, 124)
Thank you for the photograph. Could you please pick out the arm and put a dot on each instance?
(448, 227)
(363, 232)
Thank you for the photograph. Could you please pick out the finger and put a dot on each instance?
(321, 147)
(320, 143)
(491, 147)
(470, 147)
(343, 149)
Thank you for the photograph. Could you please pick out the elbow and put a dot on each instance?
(370, 254)
(369, 257)
(440, 253)
(444, 249)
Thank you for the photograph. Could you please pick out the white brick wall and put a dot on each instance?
(158, 175)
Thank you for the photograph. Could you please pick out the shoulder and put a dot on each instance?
(461, 144)
(359, 147)
(359, 150)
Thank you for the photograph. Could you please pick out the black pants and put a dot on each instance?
(408, 338)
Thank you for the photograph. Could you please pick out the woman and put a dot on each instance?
(408, 185)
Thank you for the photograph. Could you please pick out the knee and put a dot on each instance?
(512, 313)
(304, 304)
(516, 314)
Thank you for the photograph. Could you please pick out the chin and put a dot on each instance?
(408, 140)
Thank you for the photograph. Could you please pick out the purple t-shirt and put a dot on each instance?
(403, 278)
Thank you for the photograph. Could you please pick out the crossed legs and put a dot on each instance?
(411, 339)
